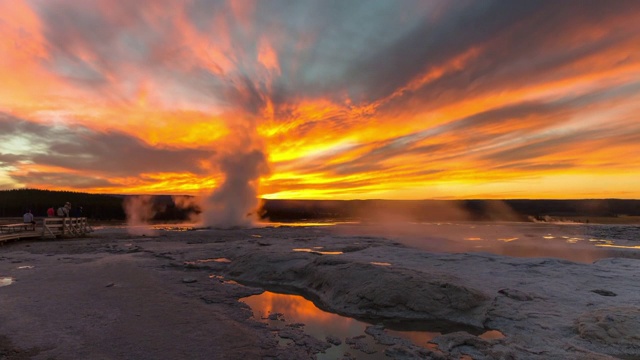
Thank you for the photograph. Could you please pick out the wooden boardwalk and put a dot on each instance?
(50, 227)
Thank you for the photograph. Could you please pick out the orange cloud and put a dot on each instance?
(391, 102)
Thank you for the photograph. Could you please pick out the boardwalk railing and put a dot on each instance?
(17, 227)
(72, 227)
(46, 228)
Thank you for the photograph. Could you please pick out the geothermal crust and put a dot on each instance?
(118, 296)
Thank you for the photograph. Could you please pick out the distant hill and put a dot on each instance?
(450, 210)
(13, 203)
(16, 202)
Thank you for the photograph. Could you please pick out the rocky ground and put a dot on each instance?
(164, 296)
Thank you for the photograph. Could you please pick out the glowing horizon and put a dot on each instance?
(345, 100)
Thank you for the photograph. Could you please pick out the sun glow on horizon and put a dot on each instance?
(143, 99)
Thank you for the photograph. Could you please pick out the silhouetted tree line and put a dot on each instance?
(13, 203)
(445, 210)
(16, 202)
(167, 210)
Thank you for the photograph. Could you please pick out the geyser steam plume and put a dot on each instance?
(235, 203)
(139, 210)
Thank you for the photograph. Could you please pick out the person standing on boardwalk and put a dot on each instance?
(27, 218)
(77, 212)
(63, 211)
(51, 212)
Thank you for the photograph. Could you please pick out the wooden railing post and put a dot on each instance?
(59, 226)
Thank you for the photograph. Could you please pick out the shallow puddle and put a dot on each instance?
(317, 250)
(204, 261)
(4, 281)
(571, 241)
(282, 310)
(177, 228)
(301, 224)
(380, 263)
(317, 323)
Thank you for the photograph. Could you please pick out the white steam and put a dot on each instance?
(235, 202)
(189, 204)
(139, 210)
(499, 232)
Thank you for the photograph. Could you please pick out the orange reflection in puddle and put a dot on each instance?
(601, 242)
(204, 261)
(300, 224)
(279, 310)
(293, 306)
(423, 338)
(380, 263)
(618, 246)
(492, 335)
(222, 279)
(314, 251)
(296, 309)
(574, 242)
(174, 228)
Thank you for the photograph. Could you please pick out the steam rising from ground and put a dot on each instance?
(501, 234)
(191, 204)
(235, 202)
(139, 210)
(539, 240)
(403, 212)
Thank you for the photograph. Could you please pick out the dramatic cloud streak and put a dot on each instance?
(322, 99)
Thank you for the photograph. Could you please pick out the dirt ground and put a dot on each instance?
(161, 294)
(103, 298)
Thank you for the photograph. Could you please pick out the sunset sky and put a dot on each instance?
(322, 99)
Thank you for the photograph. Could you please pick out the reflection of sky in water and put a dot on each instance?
(204, 261)
(4, 281)
(222, 279)
(299, 223)
(320, 324)
(179, 228)
(380, 263)
(637, 247)
(572, 241)
(317, 250)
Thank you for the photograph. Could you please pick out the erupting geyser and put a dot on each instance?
(235, 202)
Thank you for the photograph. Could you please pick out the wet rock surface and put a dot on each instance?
(97, 291)
(615, 329)
(380, 292)
(8, 350)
